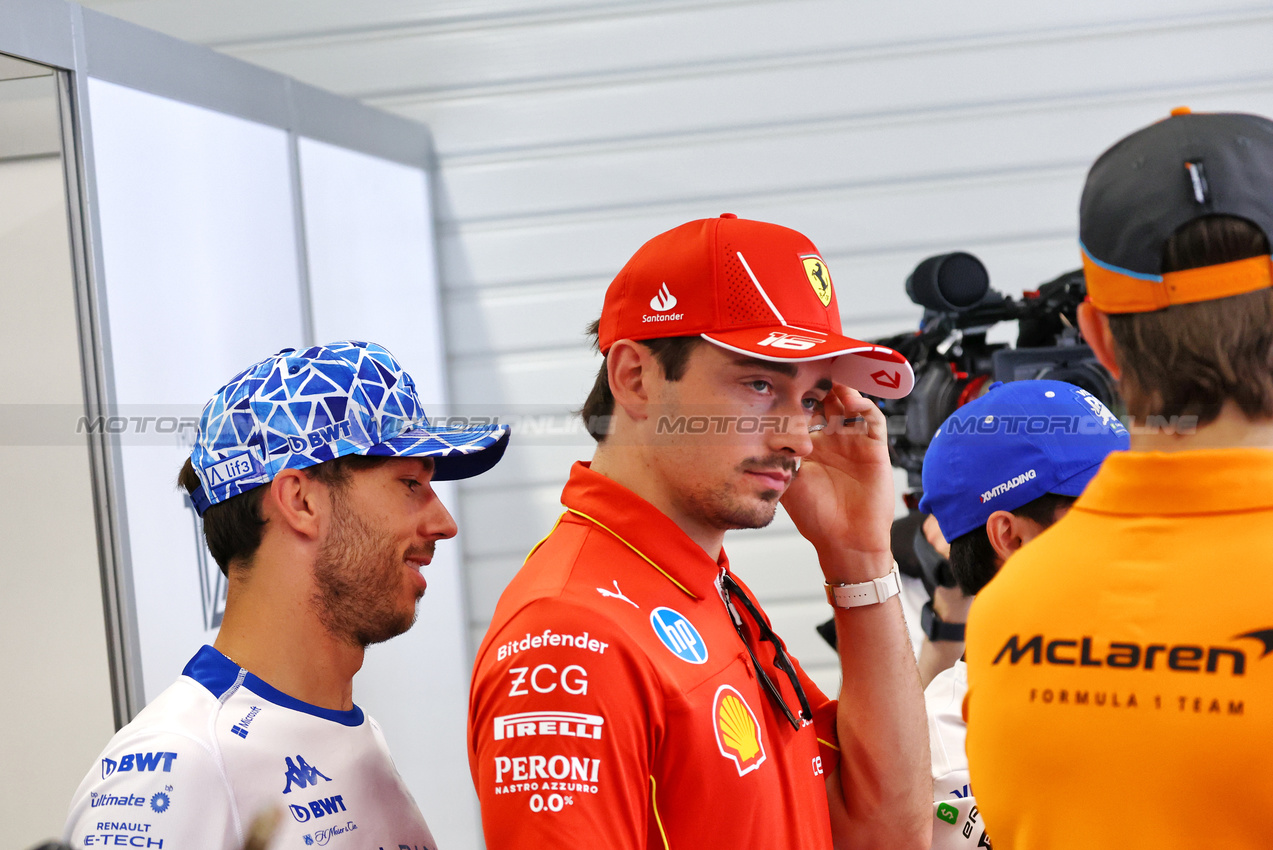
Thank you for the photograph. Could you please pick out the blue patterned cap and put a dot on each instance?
(298, 409)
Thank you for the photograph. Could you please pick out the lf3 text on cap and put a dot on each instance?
(746, 286)
(1145, 187)
(299, 408)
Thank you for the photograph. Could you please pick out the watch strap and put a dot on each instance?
(937, 629)
(871, 592)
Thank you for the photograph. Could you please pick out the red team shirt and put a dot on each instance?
(614, 705)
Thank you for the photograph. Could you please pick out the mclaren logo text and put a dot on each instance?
(1130, 655)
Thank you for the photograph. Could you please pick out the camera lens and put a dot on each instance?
(948, 282)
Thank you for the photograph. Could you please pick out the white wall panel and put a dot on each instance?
(58, 712)
(372, 276)
(199, 253)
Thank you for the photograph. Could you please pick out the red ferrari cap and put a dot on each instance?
(746, 286)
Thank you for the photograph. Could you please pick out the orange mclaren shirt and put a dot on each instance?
(1120, 667)
(614, 705)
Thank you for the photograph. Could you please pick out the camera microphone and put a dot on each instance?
(948, 282)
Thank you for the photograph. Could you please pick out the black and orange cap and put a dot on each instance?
(1145, 187)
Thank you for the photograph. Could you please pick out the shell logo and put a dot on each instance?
(737, 730)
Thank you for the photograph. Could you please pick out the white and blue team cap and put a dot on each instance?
(1012, 445)
(301, 408)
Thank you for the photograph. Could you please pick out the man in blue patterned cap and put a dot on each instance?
(312, 471)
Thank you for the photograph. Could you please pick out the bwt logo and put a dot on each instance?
(138, 762)
(300, 774)
(318, 808)
(321, 437)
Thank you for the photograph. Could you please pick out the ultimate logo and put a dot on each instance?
(1128, 655)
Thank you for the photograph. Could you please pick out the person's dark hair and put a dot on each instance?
(672, 354)
(1189, 359)
(233, 528)
(974, 562)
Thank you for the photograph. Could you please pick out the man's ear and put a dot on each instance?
(1094, 325)
(1005, 534)
(629, 366)
(297, 502)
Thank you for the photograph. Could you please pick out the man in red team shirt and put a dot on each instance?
(630, 692)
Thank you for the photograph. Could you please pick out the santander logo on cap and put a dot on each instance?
(663, 301)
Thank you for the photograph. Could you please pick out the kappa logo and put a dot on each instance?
(300, 774)
(790, 342)
(679, 635)
(737, 730)
(663, 301)
(819, 277)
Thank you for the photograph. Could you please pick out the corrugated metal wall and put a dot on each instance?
(569, 132)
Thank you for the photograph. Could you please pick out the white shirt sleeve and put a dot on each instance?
(154, 789)
(957, 823)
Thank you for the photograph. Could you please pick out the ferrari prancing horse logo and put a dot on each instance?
(819, 277)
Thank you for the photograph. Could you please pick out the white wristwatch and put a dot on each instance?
(871, 592)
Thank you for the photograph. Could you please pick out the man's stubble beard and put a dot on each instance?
(722, 507)
(358, 578)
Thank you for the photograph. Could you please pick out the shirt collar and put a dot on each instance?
(1206, 481)
(643, 528)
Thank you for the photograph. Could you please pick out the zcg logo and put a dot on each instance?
(544, 680)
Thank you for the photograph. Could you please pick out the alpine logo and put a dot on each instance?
(790, 342)
(663, 301)
(301, 774)
(999, 490)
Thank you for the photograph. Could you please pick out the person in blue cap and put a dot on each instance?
(999, 472)
(312, 471)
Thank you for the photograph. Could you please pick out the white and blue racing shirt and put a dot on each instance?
(220, 746)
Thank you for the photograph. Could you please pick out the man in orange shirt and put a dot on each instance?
(1120, 689)
(630, 692)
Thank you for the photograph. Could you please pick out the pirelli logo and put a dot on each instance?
(563, 724)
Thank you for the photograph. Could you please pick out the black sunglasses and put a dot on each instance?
(731, 591)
